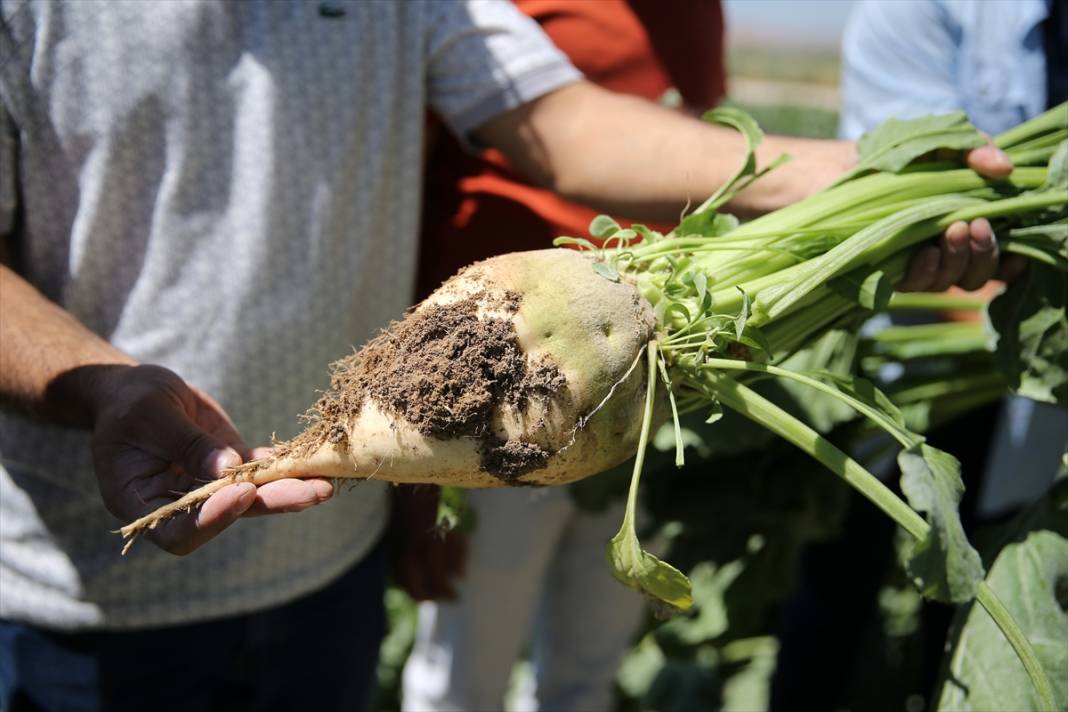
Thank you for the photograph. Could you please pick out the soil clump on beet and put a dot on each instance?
(446, 371)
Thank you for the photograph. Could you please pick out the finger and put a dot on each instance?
(954, 258)
(172, 435)
(168, 482)
(1011, 267)
(990, 161)
(290, 495)
(922, 270)
(186, 532)
(983, 262)
(260, 453)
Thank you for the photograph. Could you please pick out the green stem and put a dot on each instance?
(1052, 120)
(765, 413)
(894, 429)
(643, 438)
(930, 301)
(1019, 642)
(1008, 206)
(1036, 254)
(944, 387)
(761, 410)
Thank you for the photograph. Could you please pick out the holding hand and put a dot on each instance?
(967, 254)
(156, 437)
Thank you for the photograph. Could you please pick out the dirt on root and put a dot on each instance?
(445, 371)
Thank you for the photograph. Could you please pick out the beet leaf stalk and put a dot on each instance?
(732, 302)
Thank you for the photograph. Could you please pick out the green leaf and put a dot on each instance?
(1031, 321)
(1058, 168)
(644, 572)
(453, 512)
(647, 234)
(744, 123)
(743, 314)
(1052, 238)
(708, 223)
(865, 391)
(662, 583)
(579, 241)
(606, 270)
(603, 227)
(870, 289)
(943, 565)
(1030, 576)
(754, 338)
(894, 144)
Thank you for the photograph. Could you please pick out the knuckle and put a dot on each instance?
(193, 449)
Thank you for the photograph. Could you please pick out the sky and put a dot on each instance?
(805, 22)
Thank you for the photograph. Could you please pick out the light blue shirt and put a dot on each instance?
(905, 58)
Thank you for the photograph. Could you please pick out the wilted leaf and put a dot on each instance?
(644, 572)
(943, 565)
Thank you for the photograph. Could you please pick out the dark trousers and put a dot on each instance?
(316, 653)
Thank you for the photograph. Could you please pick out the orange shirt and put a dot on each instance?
(475, 206)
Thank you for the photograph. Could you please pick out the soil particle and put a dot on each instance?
(511, 459)
(445, 371)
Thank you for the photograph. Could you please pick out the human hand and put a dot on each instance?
(966, 255)
(155, 437)
(426, 559)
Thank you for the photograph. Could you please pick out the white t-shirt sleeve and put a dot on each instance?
(485, 58)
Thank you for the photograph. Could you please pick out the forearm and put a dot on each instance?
(49, 361)
(627, 156)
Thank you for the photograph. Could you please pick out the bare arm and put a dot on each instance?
(153, 433)
(626, 155)
(48, 356)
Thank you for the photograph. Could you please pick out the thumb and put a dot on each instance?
(202, 455)
(990, 161)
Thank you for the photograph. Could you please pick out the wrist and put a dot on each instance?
(77, 396)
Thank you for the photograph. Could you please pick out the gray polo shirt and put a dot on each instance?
(232, 190)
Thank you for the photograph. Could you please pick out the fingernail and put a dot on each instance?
(983, 242)
(224, 459)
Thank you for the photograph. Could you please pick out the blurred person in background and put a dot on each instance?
(1001, 62)
(534, 568)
